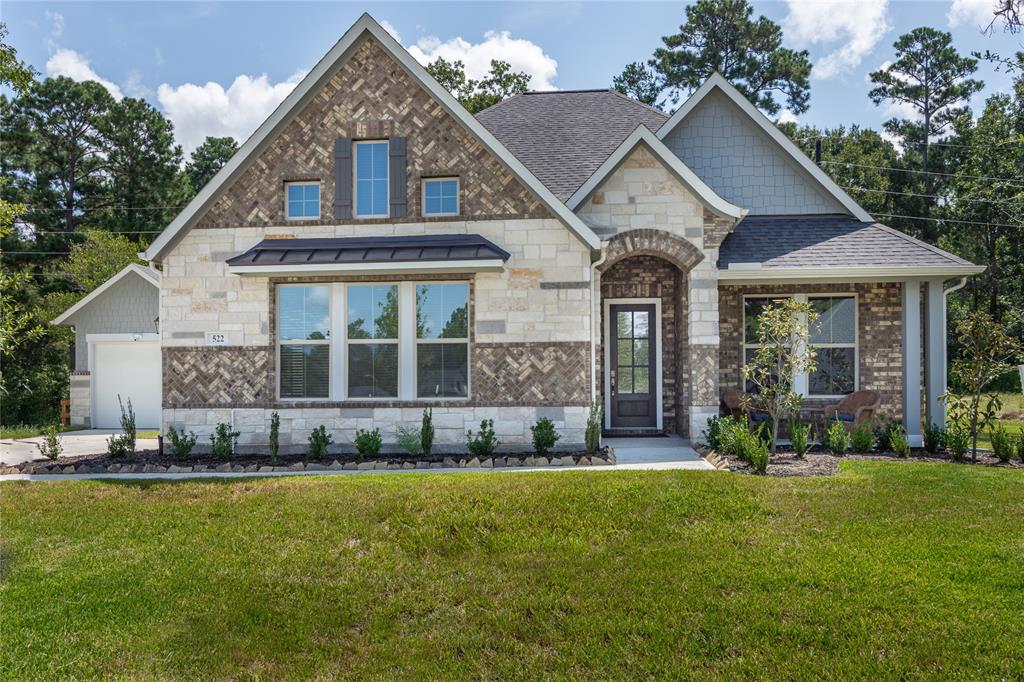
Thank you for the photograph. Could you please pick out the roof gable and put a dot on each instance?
(148, 275)
(309, 89)
(766, 173)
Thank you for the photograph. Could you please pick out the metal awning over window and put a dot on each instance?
(370, 255)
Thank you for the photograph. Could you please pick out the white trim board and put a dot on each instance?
(147, 274)
(307, 89)
(753, 274)
(608, 302)
(642, 135)
(716, 80)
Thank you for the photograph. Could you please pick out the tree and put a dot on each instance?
(1009, 12)
(13, 72)
(783, 330)
(639, 82)
(501, 83)
(720, 35)
(207, 159)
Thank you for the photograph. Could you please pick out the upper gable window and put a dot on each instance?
(302, 200)
(440, 196)
(371, 179)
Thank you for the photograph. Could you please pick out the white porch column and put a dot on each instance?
(912, 361)
(935, 352)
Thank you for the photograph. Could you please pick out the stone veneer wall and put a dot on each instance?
(880, 356)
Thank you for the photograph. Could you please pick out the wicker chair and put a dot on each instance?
(733, 401)
(853, 409)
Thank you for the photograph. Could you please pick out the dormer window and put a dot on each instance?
(302, 200)
(371, 179)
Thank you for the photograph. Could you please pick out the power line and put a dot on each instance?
(947, 220)
(29, 209)
(931, 196)
(919, 144)
(909, 170)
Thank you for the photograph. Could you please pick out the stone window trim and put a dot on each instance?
(338, 371)
(801, 380)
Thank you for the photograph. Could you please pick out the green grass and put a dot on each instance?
(27, 431)
(148, 434)
(887, 571)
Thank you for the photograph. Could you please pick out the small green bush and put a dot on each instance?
(52, 444)
(368, 443)
(427, 431)
(862, 439)
(958, 441)
(715, 430)
(274, 446)
(899, 442)
(544, 436)
(758, 455)
(883, 432)
(122, 445)
(592, 434)
(409, 439)
(734, 437)
(181, 442)
(837, 438)
(484, 442)
(223, 441)
(1002, 443)
(934, 438)
(319, 439)
(799, 437)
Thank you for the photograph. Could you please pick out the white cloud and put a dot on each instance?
(857, 24)
(75, 66)
(788, 116)
(522, 54)
(390, 28)
(971, 12)
(201, 110)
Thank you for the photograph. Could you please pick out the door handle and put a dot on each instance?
(611, 380)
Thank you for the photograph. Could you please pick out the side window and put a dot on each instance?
(302, 200)
(835, 339)
(442, 340)
(440, 196)
(303, 336)
(372, 333)
(371, 179)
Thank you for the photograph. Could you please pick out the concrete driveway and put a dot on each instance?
(87, 442)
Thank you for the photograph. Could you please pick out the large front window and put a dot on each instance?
(371, 179)
(402, 340)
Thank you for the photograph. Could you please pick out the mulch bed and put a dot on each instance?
(151, 461)
(820, 462)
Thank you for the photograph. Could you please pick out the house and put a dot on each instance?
(117, 350)
(373, 249)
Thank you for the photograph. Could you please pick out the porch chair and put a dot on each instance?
(855, 408)
(733, 401)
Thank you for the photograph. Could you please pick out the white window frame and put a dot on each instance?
(329, 341)
(801, 380)
(417, 341)
(458, 196)
(355, 179)
(397, 342)
(319, 197)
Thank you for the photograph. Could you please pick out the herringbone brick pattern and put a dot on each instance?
(217, 377)
(704, 374)
(532, 373)
(372, 97)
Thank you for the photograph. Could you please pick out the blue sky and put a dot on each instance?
(219, 68)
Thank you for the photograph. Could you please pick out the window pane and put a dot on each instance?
(836, 320)
(303, 313)
(433, 189)
(752, 307)
(641, 380)
(449, 205)
(305, 371)
(641, 352)
(442, 311)
(624, 353)
(373, 370)
(442, 370)
(835, 373)
(624, 324)
(441, 196)
(432, 206)
(640, 324)
(295, 193)
(624, 377)
(372, 178)
(372, 311)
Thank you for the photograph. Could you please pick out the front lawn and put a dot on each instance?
(888, 570)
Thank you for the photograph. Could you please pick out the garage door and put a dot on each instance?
(131, 369)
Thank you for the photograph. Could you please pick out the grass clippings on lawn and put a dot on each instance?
(888, 570)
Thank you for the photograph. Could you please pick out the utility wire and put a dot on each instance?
(909, 170)
(931, 196)
(949, 220)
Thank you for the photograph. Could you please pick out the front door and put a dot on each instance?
(632, 377)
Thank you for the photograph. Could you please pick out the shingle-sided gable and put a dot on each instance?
(370, 95)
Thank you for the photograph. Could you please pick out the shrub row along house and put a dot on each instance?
(373, 249)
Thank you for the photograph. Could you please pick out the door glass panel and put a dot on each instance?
(640, 326)
(641, 352)
(624, 324)
(641, 380)
(625, 380)
(625, 359)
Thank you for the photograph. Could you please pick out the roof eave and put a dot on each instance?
(133, 268)
(753, 274)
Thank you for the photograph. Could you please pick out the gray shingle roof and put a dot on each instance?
(826, 240)
(370, 250)
(562, 137)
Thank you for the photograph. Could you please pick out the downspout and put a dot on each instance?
(595, 325)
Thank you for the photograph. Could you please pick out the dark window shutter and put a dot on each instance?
(396, 176)
(343, 178)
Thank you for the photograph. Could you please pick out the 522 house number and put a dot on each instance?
(216, 339)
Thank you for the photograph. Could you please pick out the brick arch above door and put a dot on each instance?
(649, 242)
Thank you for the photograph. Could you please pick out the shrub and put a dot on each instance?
(122, 445)
(592, 434)
(223, 441)
(1002, 443)
(715, 430)
(409, 439)
(861, 438)
(544, 435)
(427, 431)
(899, 441)
(934, 437)
(1020, 444)
(368, 443)
(799, 437)
(883, 432)
(181, 442)
(275, 436)
(484, 442)
(319, 439)
(958, 441)
(837, 438)
(52, 444)
(757, 455)
(734, 437)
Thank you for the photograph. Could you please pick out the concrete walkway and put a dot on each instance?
(76, 443)
(658, 452)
